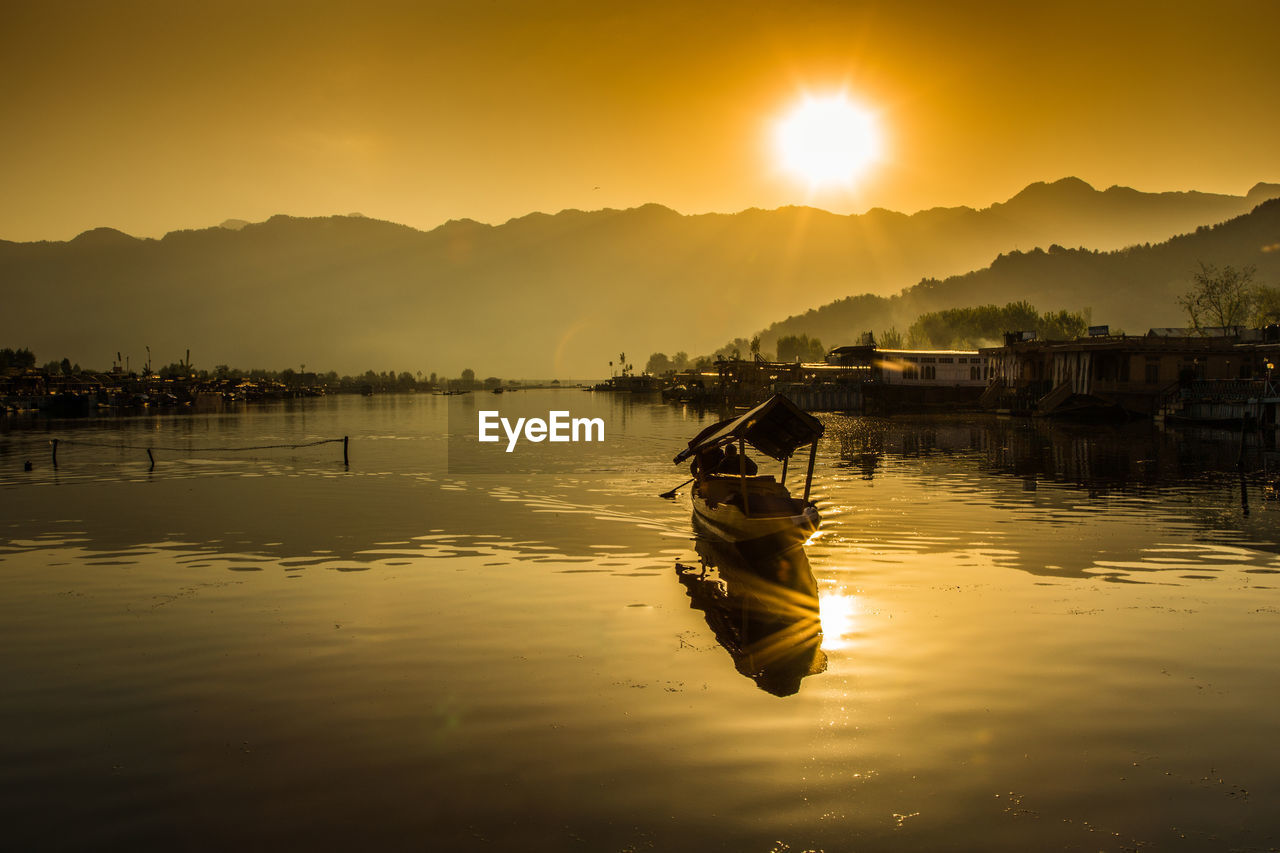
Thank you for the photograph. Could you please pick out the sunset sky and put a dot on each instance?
(155, 116)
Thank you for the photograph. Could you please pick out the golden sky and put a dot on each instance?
(156, 116)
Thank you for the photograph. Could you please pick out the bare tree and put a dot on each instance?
(1223, 298)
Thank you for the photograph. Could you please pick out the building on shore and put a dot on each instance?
(88, 393)
(743, 382)
(1166, 374)
(896, 380)
(1122, 375)
(1225, 380)
(631, 383)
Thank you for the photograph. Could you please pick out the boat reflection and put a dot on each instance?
(761, 603)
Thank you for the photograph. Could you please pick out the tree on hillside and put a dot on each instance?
(733, 350)
(983, 325)
(19, 359)
(800, 348)
(658, 364)
(1063, 326)
(1220, 298)
(891, 339)
(1267, 307)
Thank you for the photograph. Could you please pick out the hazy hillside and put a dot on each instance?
(1132, 289)
(543, 295)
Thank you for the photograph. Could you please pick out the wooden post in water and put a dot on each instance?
(345, 440)
(1244, 430)
(785, 460)
(808, 478)
(55, 452)
(152, 458)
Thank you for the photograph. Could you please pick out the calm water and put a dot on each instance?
(1031, 638)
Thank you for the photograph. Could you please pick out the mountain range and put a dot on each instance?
(561, 295)
(1129, 290)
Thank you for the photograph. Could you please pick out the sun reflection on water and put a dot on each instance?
(840, 611)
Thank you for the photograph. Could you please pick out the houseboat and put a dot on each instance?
(1121, 375)
(915, 380)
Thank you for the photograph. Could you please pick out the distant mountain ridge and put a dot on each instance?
(1132, 289)
(543, 294)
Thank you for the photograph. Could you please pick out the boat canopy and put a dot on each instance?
(777, 428)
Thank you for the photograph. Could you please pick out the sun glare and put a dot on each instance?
(839, 612)
(828, 141)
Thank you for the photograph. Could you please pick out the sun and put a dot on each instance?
(828, 141)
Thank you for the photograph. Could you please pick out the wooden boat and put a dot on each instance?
(743, 507)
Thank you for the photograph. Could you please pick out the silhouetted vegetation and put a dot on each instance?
(660, 364)
(970, 328)
(19, 359)
(891, 338)
(1268, 306)
(1228, 296)
(792, 348)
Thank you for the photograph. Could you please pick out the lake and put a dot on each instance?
(1031, 636)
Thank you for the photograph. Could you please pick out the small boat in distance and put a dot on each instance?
(729, 499)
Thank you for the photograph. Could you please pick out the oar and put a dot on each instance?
(672, 493)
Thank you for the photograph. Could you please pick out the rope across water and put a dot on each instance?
(126, 446)
(121, 445)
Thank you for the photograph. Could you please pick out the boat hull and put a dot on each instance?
(795, 521)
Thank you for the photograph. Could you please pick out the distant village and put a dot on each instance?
(1219, 376)
(1224, 376)
(1218, 370)
(63, 389)
(1208, 374)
